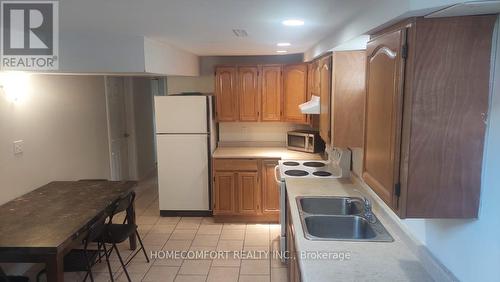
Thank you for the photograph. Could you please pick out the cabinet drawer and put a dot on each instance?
(236, 165)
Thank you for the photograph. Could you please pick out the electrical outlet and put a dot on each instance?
(18, 147)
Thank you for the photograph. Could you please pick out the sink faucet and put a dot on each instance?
(367, 207)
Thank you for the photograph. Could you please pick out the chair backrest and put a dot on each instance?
(96, 228)
(124, 203)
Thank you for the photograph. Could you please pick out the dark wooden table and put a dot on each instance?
(45, 224)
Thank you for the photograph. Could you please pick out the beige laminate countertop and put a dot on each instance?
(369, 261)
(262, 153)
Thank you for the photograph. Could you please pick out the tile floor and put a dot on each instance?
(194, 234)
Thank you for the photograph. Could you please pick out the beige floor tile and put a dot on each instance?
(229, 245)
(195, 267)
(206, 240)
(138, 267)
(162, 229)
(258, 228)
(183, 234)
(177, 245)
(255, 267)
(168, 262)
(232, 234)
(223, 274)
(279, 275)
(208, 220)
(168, 220)
(210, 229)
(229, 261)
(161, 274)
(256, 252)
(103, 267)
(144, 228)
(203, 249)
(234, 226)
(147, 219)
(187, 225)
(133, 276)
(254, 278)
(191, 219)
(190, 278)
(256, 239)
(155, 239)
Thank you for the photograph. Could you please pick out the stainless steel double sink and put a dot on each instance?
(339, 218)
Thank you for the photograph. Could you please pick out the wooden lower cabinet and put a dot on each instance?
(270, 189)
(293, 263)
(244, 190)
(224, 193)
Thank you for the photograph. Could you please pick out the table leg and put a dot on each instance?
(55, 268)
(132, 239)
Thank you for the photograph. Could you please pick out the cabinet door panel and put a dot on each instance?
(224, 193)
(294, 92)
(248, 85)
(271, 93)
(270, 189)
(226, 93)
(248, 192)
(325, 73)
(383, 114)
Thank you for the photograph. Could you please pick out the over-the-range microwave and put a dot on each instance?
(307, 141)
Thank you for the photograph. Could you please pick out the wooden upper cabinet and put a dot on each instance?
(248, 93)
(294, 92)
(348, 98)
(423, 154)
(270, 189)
(226, 93)
(271, 93)
(224, 193)
(325, 75)
(248, 193)
(384, 99)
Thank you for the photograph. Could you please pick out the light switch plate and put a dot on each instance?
(18, 147)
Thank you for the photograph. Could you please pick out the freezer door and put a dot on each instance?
(183, 172)
(181, 114)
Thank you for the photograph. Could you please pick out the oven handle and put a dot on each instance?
(276, 168)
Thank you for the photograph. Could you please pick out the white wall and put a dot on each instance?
(256, 131)
(162, 58)
(62, 120)
(144, 131)
(471, 248)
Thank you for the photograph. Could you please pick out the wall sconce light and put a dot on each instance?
(14, 85)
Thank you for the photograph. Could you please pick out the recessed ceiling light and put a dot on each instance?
(293, 22)
(283, 44)
(281, 51)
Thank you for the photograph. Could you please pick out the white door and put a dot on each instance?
(183, 171)
(117, 127)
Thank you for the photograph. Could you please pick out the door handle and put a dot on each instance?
(276, 168)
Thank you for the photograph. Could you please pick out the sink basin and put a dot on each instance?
(330, 205)
(339, 227)
(346, 228)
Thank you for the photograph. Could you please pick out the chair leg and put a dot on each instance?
(121, 261)
(107, 262)
(142, 245)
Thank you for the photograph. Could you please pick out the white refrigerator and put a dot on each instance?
(186, 138)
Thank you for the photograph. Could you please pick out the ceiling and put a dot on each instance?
(204, 27)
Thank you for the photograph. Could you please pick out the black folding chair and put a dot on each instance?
(10, 278)
(119, 233)
(79, 260)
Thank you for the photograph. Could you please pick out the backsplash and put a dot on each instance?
(256, 131)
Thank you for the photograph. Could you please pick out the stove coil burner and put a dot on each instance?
(322, 173)
(291, 163)
(296, 172)
(314, 164)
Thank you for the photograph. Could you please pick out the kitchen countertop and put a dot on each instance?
(369, 261)
(262, 153)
